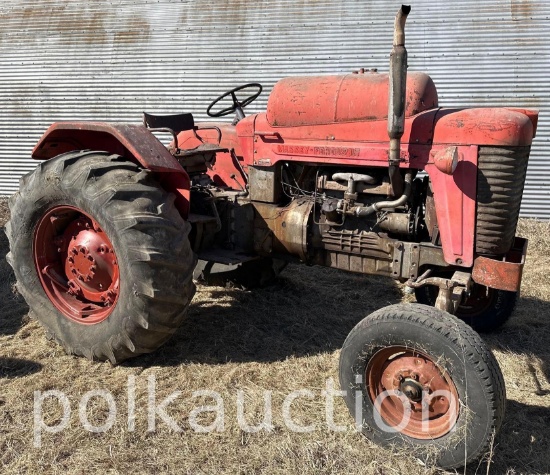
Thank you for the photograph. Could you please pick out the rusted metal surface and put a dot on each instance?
(283, 229)
(130, 141)
(409, 258)
(399, 223)
(396, 103)
(413, 381)
(503, 274)
(383, 188)
(265, 184)
(448, 292)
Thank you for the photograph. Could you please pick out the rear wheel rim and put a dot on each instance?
(412, 393)
(480, 300)
(76, 264)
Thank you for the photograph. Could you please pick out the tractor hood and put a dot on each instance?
(317, 100)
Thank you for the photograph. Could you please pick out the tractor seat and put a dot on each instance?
(176, 123)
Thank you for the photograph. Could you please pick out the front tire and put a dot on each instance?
(485, 310)
(101, 255)
(425, 381)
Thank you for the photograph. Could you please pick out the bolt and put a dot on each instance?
(80, 277)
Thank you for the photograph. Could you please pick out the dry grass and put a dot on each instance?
(283, 338)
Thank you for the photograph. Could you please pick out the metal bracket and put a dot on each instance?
(451, 291)
(406, 259)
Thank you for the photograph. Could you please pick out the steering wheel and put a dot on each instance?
(237, 105)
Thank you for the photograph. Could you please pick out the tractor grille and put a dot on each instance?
(500, 180)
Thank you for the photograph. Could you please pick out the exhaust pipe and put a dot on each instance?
(396, 107)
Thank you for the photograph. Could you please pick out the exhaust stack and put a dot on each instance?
(396, 107)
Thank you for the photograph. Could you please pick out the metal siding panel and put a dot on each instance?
(103, 60)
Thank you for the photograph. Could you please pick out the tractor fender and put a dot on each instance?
(134, 142)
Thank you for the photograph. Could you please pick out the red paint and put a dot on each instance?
(180, 185)
(133, 142)
(130, 141)
(317, 100)
(455, 206)
(226, 164)
(334, 120)
(365, 143)
(76, 264)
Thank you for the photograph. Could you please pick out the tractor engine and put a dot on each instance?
(329, 216)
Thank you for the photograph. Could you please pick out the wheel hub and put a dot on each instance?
(76, 264)
(90, 265)
(412, 388)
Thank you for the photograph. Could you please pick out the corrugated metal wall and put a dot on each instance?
(105, 60)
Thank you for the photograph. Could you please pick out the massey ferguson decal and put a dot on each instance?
(317, 151)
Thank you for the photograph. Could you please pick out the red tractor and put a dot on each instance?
(105, 233)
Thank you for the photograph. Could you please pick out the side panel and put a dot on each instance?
(366, 143)
(455, 205)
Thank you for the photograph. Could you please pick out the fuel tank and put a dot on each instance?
(317, 100)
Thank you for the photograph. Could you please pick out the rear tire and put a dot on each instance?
(151, 246)
(414, 350)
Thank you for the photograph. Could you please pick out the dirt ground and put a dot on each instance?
(280, 339)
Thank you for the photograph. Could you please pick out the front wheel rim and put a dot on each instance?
(412, 393)
(76, 264)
